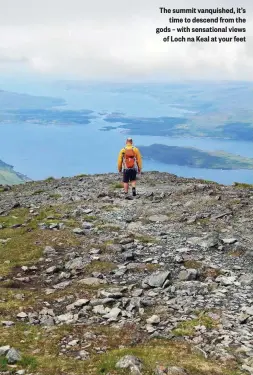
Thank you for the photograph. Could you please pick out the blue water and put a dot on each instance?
(42, 151)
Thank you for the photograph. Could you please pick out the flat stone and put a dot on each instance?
(158, 218)
(154, 319)
(22, 315)
(91, 281)
(157, 280)
(229, 241)
(113, 314)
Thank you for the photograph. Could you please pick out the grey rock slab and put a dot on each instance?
(158, 218)
(22, 315)
(92, 281)
(226, 280)
(113, 314)
(75, 264)
(49, 251)
(66, 318)
(157, 280)
(13, 356)
(249, 311)
(154, 319)
(229, 241)
(79, 231)
(4, 350)
(62, 285)
(246, 279)
(188, 274)
(7, 323)
(51, 269)
(130, 362)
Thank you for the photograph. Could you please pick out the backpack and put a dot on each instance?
(129, 157)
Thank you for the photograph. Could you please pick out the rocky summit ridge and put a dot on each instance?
(91, 283)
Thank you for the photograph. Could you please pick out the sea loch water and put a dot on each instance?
(41, 151)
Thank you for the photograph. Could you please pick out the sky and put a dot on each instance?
(115, 40)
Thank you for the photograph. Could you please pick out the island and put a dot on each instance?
(47, 116)
(195, 158)
(190, 126)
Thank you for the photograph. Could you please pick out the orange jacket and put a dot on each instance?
(138, 157)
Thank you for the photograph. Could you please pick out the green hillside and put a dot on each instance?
(10, 177)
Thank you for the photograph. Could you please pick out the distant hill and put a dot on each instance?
(195, 158)
(13, 100)
(10, 177)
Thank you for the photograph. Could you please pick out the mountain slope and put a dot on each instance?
(10, 177)
(88, 278)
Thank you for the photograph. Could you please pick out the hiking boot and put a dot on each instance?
(128, 197)
(134, 192)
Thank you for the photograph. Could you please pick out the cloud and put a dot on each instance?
(114, 40)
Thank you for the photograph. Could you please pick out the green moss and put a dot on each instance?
(55, 196)
(187, 328)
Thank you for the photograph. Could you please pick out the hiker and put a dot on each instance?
(131, 161)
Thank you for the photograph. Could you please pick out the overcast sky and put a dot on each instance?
(114, 40)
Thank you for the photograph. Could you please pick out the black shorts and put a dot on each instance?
(129, 175)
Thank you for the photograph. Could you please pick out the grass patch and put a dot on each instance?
(209, 182)
(89, 218)
(187, 328)
(117, 185)
(204, 221)
(210, 273)
(167, 354)
(145, 267)
(3, 364)
(25, 247)
(236, 253)
(17, 216)
(192, 264)
(100, 266)
(9, 303)
(40, 350)
(146, 239)
(242, 185)
(55, 196)
(110, 208)
(49, 179)
(38, 192)
(82, 175)
(109, 227)
(29, 363)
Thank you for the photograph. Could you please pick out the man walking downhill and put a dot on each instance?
(130, 160)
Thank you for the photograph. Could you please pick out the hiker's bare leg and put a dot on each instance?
(126, 187)
(133, 183)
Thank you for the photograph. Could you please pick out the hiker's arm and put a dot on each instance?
(138, 159)
(120, 160)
